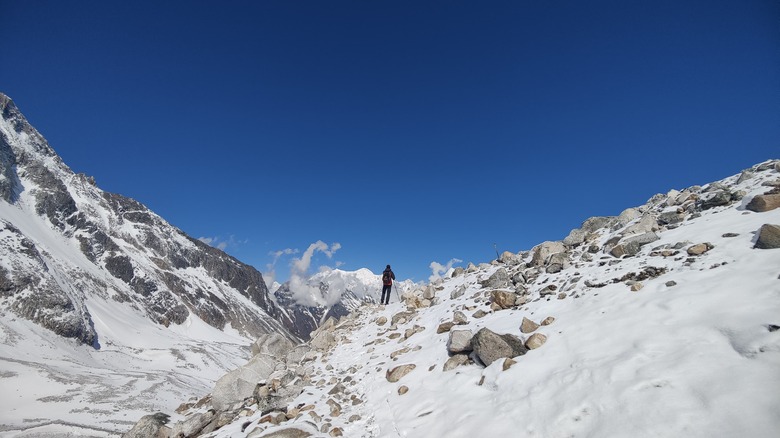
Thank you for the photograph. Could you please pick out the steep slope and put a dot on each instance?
(98, 280)
(660, 322)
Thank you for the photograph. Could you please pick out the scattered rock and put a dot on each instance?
(535, 341)
(444, 327)
(547, 321)
(479, 314)
(503, 299)
(548, 290)
(499, 280)
(150, 426)
(528, 326)
(763, 203)
(700, 248)
(455, 361)
(402, 317)
(395, 374)
(768, 237)
(382, 320)
(459, 318)
(459, 341)
(403, 390)
(671, 283)
(490, 346)
(635, 287)
(508, 363)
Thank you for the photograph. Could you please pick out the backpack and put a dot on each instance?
(386, 279)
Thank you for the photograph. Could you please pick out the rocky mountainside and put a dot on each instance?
(66, 241)
(661, 321)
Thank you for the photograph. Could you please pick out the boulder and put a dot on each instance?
(457, 272)
(762, 203)
(490, 346)
(631, 245)
(626, 216)
(768, 237)
(528, 326)
(458, 292)
(510, 259)
(716, 198)
(455, 361)
(544, 250)
(240, 383)
(549, 320)
(557, 262)
(504, 299)
(193, 425)
(445, 327)
(647, 224)
(699, 249)
(323, 340)
(402, 317)
(535, 341)
(459, 341)
(382, 320)
(150, 426)
(459, 318)
(499, 280)
(395, 374)
(671, 217)
(272, 344)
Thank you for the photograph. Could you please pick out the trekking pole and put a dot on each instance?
(396, 292)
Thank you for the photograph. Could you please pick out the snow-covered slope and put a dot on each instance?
(105, 308)
(660, 322)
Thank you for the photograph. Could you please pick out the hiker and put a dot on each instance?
(387, 284)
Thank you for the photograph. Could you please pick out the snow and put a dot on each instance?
(695, 359)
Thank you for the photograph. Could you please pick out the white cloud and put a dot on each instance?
(220, 243)
(302, 292)
(437, 269)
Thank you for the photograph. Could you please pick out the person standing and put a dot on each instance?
(387, 285)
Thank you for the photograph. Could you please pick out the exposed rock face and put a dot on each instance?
(150, 265)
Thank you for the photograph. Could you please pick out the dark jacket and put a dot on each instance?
(392, 275)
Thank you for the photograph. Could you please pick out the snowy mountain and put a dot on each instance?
(332, 293)
(94, 286)
(663, 321)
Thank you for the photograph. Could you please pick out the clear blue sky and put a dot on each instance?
(407, 131)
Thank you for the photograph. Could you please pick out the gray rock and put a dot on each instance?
(558, 262)
(717, 198)
(150, 426)
(499, 280)
(490, 346)
(647, 224)
(458, 292)
(510, 259)
(459, 318)
(544, 250)
(240, 383)
(401, 317)
(459, 341)
(535, 341)
(768, 237)
(193, 424)
(457, 272)
(671, 217)
(274, 345)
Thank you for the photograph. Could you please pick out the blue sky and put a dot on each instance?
(406, 132)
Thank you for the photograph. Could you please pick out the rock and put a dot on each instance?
(768, 237)
(671, 217)
(150, 426)
(429, 293)
(763, 203)
(403, 390)
(528, 326)
(699, 249)
(544, 250)
(459, 318)
(402, 317)
(272, 344)
(521, 299)
(671, 283)
(459, 341)
(717, 198)
(444, 327)
(490, 346)
(455, 361)
(508, 363)
(636, 287)
(336, 431)
(240, 383)
(557, 262)
(535, 341)
(291, 432)
(727, 235)
(193, 425)
(323, 340)
(382, 320)
(457, 272)
(479, 314)
(562, 295)
(547, 321)
(510, 259)
(395, 374)
(647, 224)
(458, 292)
(471, 268)
(504, 299)
(548, 290)
(499, 280)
